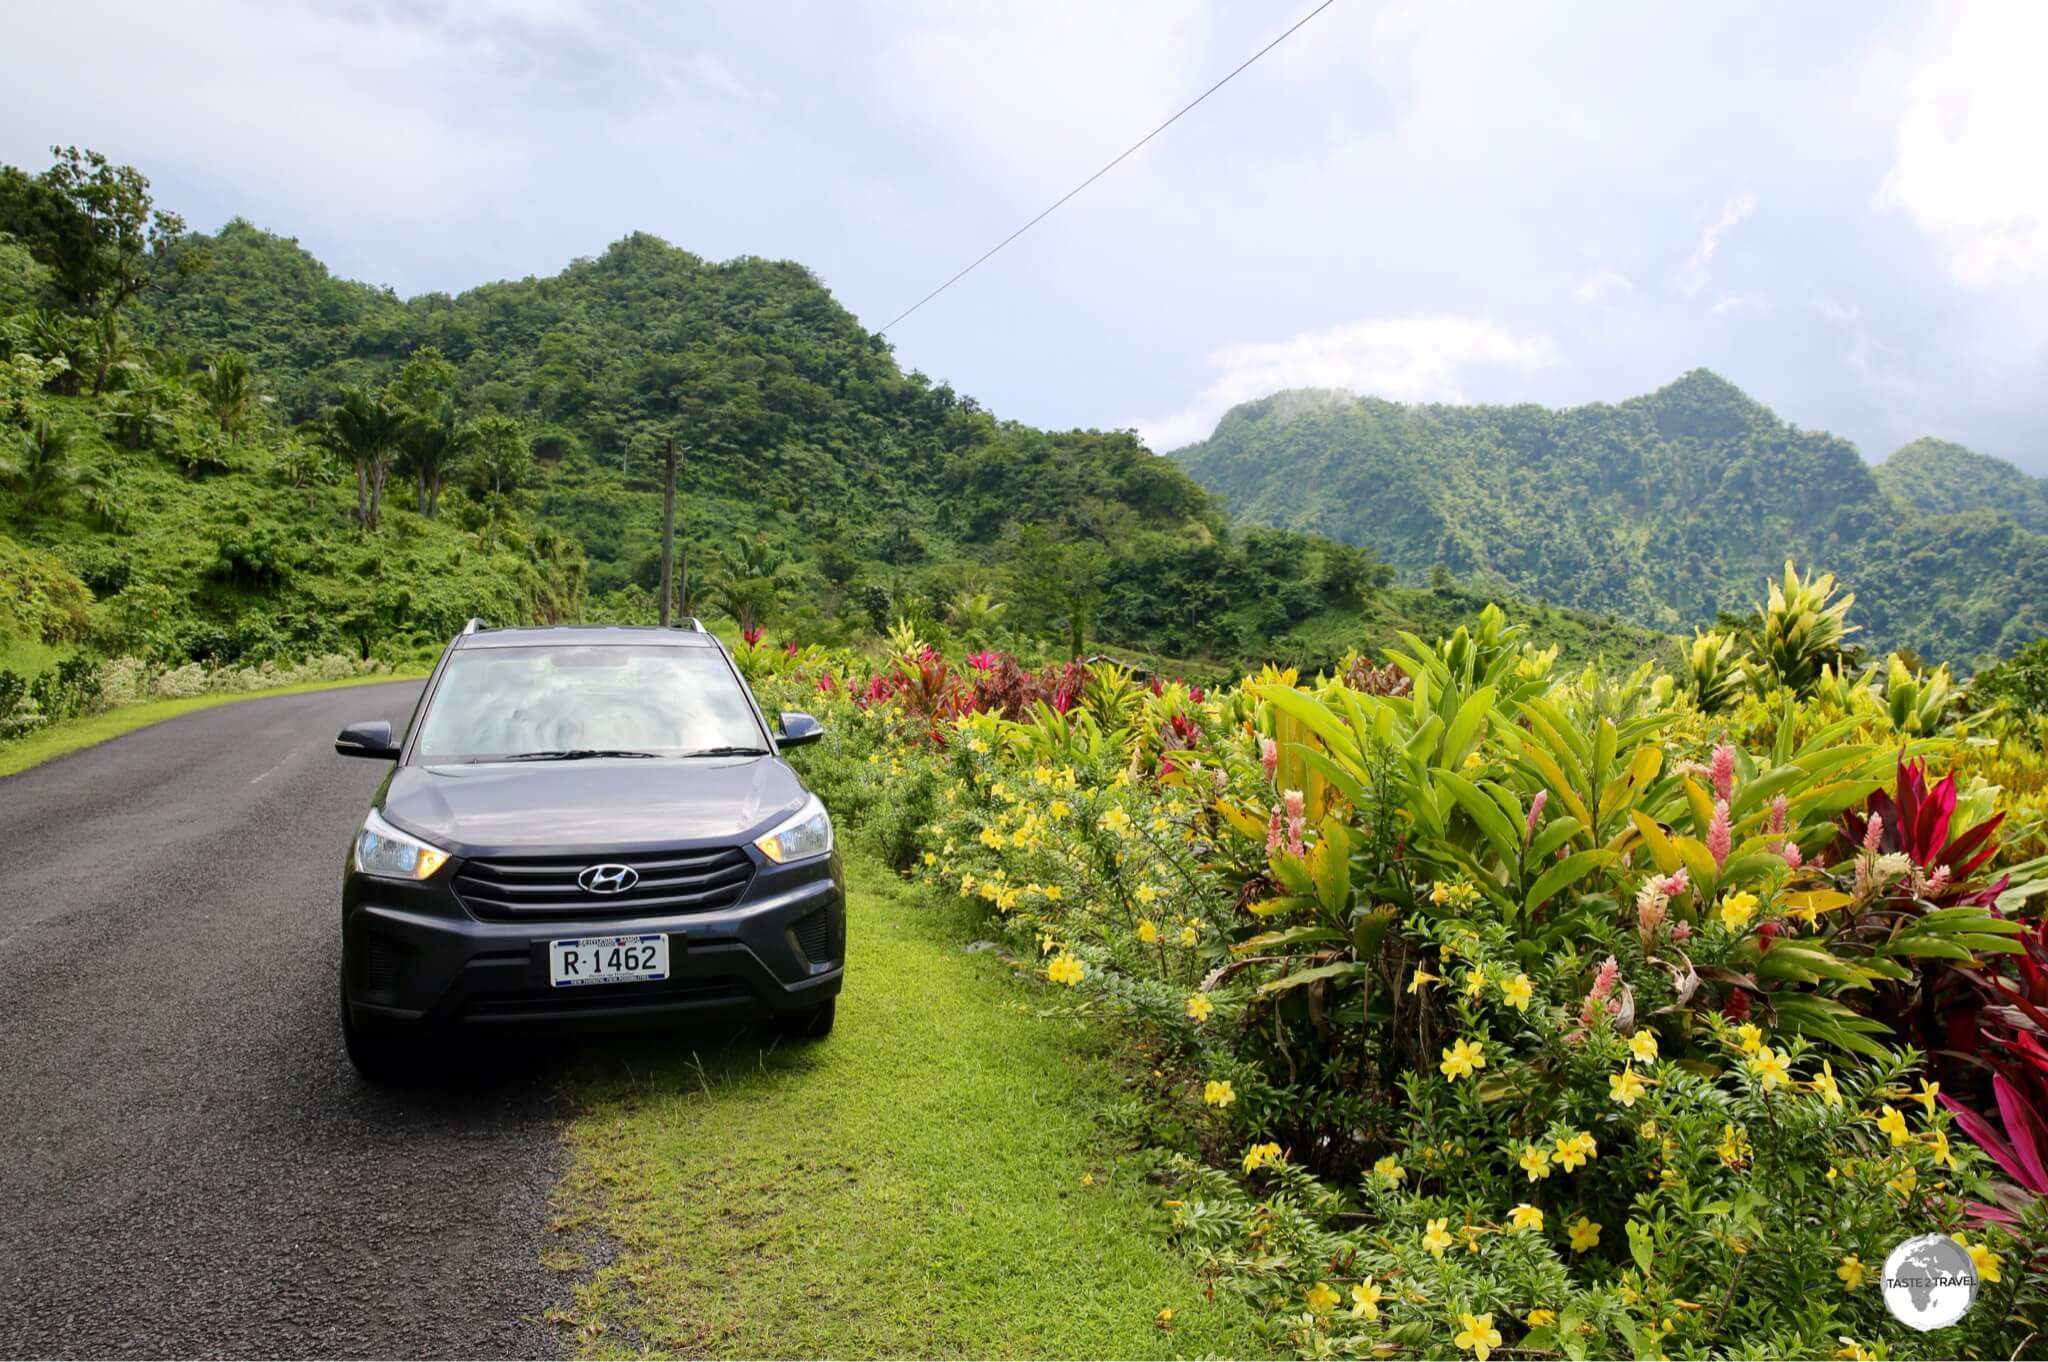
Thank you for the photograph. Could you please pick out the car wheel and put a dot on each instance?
(379, 1059)
(812, 1023)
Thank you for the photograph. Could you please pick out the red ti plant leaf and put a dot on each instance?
(2028, 1133)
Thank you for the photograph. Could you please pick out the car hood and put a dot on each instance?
(593, 805)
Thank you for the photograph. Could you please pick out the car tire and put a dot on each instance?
(813, 1023)
(379, 1059)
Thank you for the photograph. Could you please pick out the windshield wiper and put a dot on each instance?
(573, 754)
(728, 752)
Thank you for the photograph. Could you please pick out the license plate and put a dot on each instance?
(608, 960)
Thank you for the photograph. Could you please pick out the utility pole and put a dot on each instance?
(668, 532)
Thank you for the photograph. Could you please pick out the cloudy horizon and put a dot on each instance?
(1833, 209)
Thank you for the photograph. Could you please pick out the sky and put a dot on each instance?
(1840, 208)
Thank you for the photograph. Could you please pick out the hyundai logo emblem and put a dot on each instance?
(608, 879)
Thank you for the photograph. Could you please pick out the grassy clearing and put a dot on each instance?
(57, 740)
(932, 1180)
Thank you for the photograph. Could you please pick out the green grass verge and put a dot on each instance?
(934, 1179)
(59, 739)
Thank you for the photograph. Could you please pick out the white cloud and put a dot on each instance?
(1727, 303)
(1967, 169)
(1698, 268)
(1408, 359)
(1603, 288)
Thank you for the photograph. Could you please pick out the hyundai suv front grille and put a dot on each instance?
(540, 888)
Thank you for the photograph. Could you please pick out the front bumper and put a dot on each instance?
(413, 959)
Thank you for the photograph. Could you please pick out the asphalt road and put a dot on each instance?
(188, 1166)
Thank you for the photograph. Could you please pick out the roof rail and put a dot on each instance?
(690, 622)
(475, 626)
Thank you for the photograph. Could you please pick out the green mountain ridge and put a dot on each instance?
(1667, 508)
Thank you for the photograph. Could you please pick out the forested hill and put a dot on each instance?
(1667, 508)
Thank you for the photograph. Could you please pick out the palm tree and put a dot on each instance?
(748, 579)
(230, 389)
(42, 471)
(432, 445)
(364, 429)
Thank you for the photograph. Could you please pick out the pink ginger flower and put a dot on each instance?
(1295, 827)
(827, 682)
(1535, 812)
(1221, 779)
(1778, 814)
(1938, 881)
(1873, 836)
(1273, 832)
(1723, 773)
(1680, 930)
(1603, 982)
(1269, 756)
(1719, 840)
(789, 648)
(1790, 851)
(1293, 800)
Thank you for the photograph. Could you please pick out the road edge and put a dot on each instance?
(75, 735)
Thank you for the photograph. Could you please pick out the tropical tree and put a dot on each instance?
(231, 392)
(93, 226)
(431, 447)
(747, 579)
(364, 429)
(42, 469)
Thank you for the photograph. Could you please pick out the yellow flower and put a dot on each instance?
(1218, 1093)
(1058, 808)
(1052, 893)
(1771, 1068)
(1852, 1351)
(1189, 935)
(1734, 1146)
(1539, 1317)
(1166, 1317)
(1526, 1217)
(1906, 1181)
(1625, 1087)
(1462, 1058)
(1148, 931)
(1575, 1150)
(1518, 992)
(1420, 979)
(1751, 1036)
(1535, 1162)
(1737, 910)
(1942, 1155)
(931, 858)
(1893, 1124)
(1436, 1238)
(1851, 1272)
(1389, 1169)
(1260, 1156)
(1475, 981)
(1987, 1263)
(1365, 1300)
(1928, 1092)
(977, 746)
(1146, 893)
(1478, 1334)
(1824, 1084)
(1440, 893)
(1116, 821)
(1321, 1299)
(1585, 1234)
(1065, 969)
(1643, 1046)
(1199, 1007)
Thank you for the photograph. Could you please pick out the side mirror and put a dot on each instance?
(798, 730)
(371, 739)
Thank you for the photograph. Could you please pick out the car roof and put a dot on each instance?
(586, 635)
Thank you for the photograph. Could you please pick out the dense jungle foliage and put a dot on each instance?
(214, 452)
(1665, 509)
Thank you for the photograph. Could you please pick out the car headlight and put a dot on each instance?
(806, 835)
(384, 851)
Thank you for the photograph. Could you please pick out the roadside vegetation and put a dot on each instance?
(1501, 1006)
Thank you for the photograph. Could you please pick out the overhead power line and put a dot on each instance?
(978, 260)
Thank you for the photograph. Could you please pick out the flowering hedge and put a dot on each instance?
(1497, 1010)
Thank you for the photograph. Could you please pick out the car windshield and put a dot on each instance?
(565, 703)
